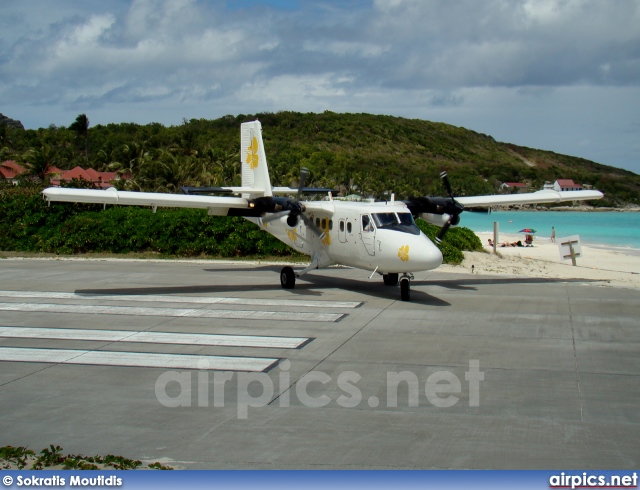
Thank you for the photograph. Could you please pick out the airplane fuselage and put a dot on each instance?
(371, 236)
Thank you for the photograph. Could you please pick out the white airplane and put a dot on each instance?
(381, 237)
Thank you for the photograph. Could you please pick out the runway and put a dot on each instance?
(214, 365)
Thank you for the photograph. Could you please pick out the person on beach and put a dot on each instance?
(553, 234)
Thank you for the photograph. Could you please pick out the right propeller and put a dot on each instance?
(435, 209)
(453, 210)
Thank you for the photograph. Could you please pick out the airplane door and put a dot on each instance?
(368, 234)
(342, 232)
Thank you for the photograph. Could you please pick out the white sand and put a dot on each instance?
(616, 267)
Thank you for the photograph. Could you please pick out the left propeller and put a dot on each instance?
(274, 208)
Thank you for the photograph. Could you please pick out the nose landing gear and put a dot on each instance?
(405, 289)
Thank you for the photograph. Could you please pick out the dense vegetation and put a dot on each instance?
(27, 224)
(356, 153)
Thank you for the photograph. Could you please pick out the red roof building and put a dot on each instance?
(10, 170)
(566, 185)
(509, 186)
(100, 179)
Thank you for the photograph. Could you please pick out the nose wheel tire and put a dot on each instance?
(405, 294)
(287, 278)
(390, 279)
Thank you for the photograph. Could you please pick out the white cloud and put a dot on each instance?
(466, 62)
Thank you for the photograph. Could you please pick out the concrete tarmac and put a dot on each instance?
(474, 372)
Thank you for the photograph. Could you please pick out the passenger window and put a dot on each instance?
(324, 223)
(318, 222)
(330, 224)
(342, 226)
(349, 227)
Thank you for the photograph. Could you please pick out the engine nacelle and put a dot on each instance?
(439, 219)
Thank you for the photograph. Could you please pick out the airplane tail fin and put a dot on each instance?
(253, 161)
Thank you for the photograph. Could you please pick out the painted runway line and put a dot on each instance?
(136, 359)
(183, 299)
(155, 337)
(172, 312)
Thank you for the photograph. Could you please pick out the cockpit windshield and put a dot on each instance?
(396, 221)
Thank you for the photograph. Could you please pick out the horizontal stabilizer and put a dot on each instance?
(206, 190)
(305, 190)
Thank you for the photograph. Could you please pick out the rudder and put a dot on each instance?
(253, 161)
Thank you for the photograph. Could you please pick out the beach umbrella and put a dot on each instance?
(527, 230)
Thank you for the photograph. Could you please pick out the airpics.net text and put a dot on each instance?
(313, 389)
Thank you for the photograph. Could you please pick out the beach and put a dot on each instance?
(599, 265)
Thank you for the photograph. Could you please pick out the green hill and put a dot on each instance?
(357, 153)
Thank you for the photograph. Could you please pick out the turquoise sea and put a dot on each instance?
(618, 229)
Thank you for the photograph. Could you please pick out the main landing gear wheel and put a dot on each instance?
(287, 278)
(390, 279)
(405, 294)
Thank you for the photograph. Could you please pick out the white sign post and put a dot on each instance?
(570, 248)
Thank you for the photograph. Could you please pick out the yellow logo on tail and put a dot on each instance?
(252, 154)
(403, 253)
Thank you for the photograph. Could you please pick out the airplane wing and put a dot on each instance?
(215, 205)
(218, 206)
(445, 211)
(539, 197)
(319, 206)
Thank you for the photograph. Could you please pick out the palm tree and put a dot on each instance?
(81, 127)
(5, 136)
(219, 167)
(174, 171)
(133, 161)
(39, 161)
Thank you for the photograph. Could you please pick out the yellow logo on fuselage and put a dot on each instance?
(252, 154)
(326, 241)
(403, 253)
(292, 235)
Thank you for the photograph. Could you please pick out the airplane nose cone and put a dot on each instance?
(404, 252)
(427, 256)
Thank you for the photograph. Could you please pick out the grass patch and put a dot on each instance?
(53, 457)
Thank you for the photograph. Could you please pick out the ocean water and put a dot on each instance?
(618, 229)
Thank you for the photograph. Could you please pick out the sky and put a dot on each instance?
(559, 75)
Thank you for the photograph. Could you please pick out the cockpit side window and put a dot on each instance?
(367, 225)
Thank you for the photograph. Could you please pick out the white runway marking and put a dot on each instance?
(183, 299)
(154, 337)
(172, 312)
(136, 359)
